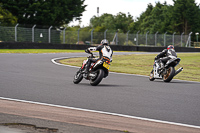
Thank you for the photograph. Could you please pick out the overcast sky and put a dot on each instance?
(134, 7)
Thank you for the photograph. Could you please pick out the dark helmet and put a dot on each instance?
(170, 47)
(104, 42)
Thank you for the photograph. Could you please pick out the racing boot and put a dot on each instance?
(160, 70)
(161, 65)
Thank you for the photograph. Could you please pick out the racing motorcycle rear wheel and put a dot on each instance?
(168, 76)
(78, 77)
(97, 79)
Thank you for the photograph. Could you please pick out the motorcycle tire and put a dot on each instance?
(169, 74)
(98, 78)
(151, 76)
(78, 77)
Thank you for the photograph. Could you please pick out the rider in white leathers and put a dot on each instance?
(105, 53)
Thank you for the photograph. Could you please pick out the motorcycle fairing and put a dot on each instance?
(156, 74)
(84, 62)
(172, 62)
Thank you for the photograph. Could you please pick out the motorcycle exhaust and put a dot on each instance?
(178, 71)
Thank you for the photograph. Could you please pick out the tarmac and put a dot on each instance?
(19, 117)
(20, 124)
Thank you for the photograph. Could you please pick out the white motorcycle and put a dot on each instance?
(168, 72)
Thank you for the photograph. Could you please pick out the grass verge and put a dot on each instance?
(37, 51)
(142, 64)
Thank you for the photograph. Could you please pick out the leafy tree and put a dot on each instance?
(185, 16)
(161, 18)
(6, 18)
(122, 21)
(105, 21)
(45, 12)
(155, 18)
(166, 17)
(143, 21)
(132, 27)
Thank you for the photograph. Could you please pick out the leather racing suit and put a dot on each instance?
(165, 55)
(105, 53)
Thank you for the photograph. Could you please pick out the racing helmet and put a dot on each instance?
(104, 42)
(170, 47)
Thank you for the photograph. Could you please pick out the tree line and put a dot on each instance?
(182, 16)
(41, 12)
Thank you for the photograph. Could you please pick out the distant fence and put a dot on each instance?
(52, 35)
(31, 45)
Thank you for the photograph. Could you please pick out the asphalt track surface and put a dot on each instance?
(33, 77)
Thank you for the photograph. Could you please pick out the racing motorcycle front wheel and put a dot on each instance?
(78, 77)
(99, 74)
(168, 76)
(151, 76)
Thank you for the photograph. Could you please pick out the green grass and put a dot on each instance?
(39, 51)
(143, 64)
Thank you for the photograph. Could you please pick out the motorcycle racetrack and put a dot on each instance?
(34, 77)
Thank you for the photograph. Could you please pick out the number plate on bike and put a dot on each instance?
(106, 65)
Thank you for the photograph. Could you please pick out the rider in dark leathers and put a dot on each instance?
(105, 53)
(166, 55)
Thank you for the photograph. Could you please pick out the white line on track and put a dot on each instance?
(54, 61)
(101, 112)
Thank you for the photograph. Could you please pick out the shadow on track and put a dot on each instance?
(177, 82)
(102, 85)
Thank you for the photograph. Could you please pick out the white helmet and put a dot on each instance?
(104, 42)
